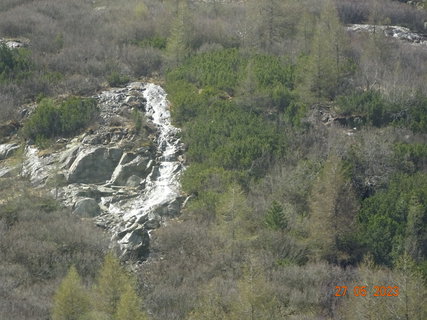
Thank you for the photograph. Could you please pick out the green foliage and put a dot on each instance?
(113, 297)
(369, 106)
(116, 79)
(417, 114)
(372, 108)
(219, 132)
(137, 118)
(14, 64)
(129, 306)
(200, 177)
(228, 137)
(411, 157)
(218, 69)
(51, 120)
(71, 302)
(384, 218)
(155, 42)
(276, 218)
(112, 283)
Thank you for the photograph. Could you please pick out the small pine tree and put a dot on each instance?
(71, 302)
(276, 218)
(128, 307)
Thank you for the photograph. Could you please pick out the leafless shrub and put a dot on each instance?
(38, 243)
(143, 61)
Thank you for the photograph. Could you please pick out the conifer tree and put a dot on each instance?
(327, 67)
(111, 284)
(71, 302)
(324, 209)
(264, 24)
(178, 42)
(128, 307)
(276, 218)
(231, 212)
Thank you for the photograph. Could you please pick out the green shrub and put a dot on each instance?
(392, 220)
(51, 120)
(219, 69)
(411, 157)
(115, 79)
(155, 42)
(14, 64)
(369, 106)
(417, 114)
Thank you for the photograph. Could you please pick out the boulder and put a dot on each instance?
(134, 181)
(152, 224)
(139, 167)
(7, 150)
(94, 165)
(68, 156)
(135, 244)
(87, 207)
(9, 128)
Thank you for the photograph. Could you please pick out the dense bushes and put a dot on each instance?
(371, 107)
(52, 120)
(392, 221)
(226, 132)
(14, 64)
(39, 241)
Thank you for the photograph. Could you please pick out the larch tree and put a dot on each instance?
(111, 284)
(177, 47)
(71, 302)
(327, 67)
(264, 24)
(332, 209)
(129, 307)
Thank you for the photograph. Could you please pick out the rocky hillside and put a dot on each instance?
(128, 185)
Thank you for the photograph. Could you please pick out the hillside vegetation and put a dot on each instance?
(306, 158)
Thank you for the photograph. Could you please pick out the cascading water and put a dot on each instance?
(162, 184)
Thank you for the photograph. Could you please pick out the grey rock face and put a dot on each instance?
(397, 32)
(87, 207)
(127, 189)
(94, 165)
(134, 181)
(135, 244)
(7, 150)
(139, 167)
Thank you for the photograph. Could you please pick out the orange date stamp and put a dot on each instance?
(363, 291)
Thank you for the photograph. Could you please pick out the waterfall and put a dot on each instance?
(162, 184)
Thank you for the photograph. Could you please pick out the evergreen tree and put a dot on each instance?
(71, 301)
(276, 218)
